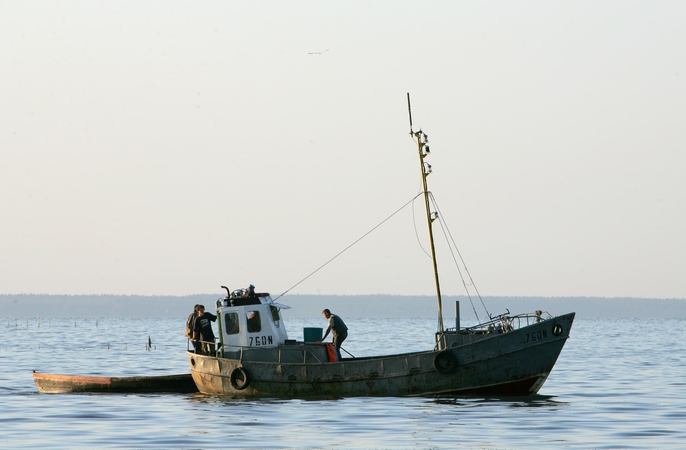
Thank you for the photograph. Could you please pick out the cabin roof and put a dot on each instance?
(249, 300)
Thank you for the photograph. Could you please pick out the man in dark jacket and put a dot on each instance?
(338, 330)
(190, 322)
(202, 332)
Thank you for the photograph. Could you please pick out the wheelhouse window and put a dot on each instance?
(231, 323)
(275, 315)
(254, 322)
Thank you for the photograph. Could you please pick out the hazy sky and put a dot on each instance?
(165, 147)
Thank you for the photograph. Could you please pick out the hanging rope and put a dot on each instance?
(349, 246)
(447, 234)
(416, 232)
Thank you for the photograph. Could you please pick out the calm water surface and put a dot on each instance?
(618, 384)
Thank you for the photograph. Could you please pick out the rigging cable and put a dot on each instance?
(416, 232)
(446, 233)
(349, 246)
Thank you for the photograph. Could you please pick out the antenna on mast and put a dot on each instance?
(409, 111)
(423, 148)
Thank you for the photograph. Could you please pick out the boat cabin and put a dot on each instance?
(249, 319)
(251, 328)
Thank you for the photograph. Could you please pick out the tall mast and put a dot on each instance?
(425, 169)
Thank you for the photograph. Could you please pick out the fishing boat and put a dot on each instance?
(53, 383)
(507, 355)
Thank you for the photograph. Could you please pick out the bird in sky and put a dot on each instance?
(318, 53)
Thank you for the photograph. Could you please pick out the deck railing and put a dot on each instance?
(504, 323)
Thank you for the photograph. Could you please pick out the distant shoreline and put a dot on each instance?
(310, 306)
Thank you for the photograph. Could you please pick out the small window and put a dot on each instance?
(231, 323)
(254, 322)
(275, 313)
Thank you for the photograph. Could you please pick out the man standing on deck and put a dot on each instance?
(190, 322)
(338, 330)
(202, 332)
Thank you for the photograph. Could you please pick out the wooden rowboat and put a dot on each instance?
(51, 383)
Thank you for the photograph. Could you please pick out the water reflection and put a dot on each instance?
(530, 401)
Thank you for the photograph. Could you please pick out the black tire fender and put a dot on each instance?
(239, 379)
(445, 362)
